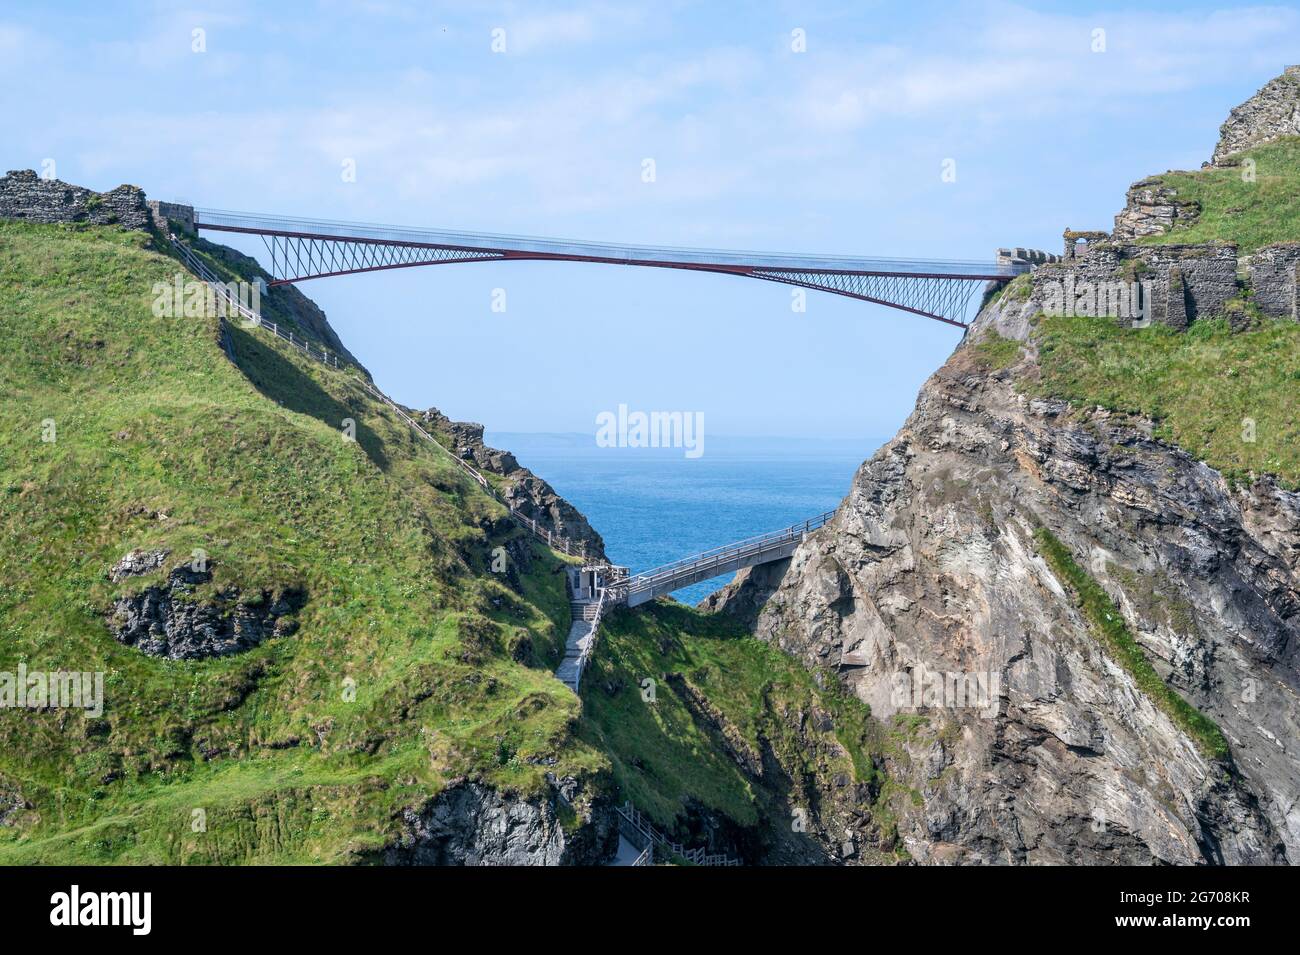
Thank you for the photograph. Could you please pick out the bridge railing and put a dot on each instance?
(721, 555)
(590, 649)
(234, 306)
(332, 229)
(643, 831)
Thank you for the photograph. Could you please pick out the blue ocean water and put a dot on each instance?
(655, 505)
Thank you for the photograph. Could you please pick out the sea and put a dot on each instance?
(656, 505)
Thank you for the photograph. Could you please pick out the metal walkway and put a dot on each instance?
(764, 549)
(302, 249)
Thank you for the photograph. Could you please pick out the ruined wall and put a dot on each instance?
(1272, 273)
(25, 195)
(163, 212)
(1179, 283)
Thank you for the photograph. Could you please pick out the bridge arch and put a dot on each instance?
(303, 249)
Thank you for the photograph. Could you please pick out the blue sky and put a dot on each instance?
(838, 149)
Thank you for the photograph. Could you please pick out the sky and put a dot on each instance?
(778, 126)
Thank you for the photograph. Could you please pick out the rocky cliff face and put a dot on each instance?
(168, 620)
(930, 568)
(470, 824)
(930, 595)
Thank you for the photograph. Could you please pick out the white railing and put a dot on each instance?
(589, 650)
(234, 305)
(641, 827)
(719, 556)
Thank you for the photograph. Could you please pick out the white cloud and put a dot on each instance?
(1013, 62)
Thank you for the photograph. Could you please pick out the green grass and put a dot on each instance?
(995, 352)
(1106, 621)
(161, 442)
(1250, 214)
(1207, 389)
(664, 757)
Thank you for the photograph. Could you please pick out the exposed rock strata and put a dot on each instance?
(472, 824)
(1272, 112)
(168, 620)
(1152, 207)
(930, 564)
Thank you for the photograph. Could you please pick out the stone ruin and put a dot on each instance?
(28, 197)
(1180, 283)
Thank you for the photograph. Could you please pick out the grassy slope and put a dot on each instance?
(663, 756)
(163, 443)
(1250, 214)
(1203, 387)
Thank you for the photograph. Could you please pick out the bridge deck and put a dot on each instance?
(536, 247)
(764, 549)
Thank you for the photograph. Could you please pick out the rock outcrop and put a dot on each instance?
(472, 824)
(1272, 112)
(168, 620)
(1152, 207)
(530, 495)
(137, 562)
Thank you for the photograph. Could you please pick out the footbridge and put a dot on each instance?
(752, 551)
(301, 249)
(594, 588)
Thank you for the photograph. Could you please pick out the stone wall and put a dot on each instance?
(1272, 112)
(1076, 242)
(25, 195)
(163, 212)
(1031, 257)
(1180, 283)
(1273, 273)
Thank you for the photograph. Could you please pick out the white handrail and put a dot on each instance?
(719, 555)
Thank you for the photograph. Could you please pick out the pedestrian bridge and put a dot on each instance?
(301, 249)
(751, 552)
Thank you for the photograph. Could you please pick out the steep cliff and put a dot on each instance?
(1077, 567)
